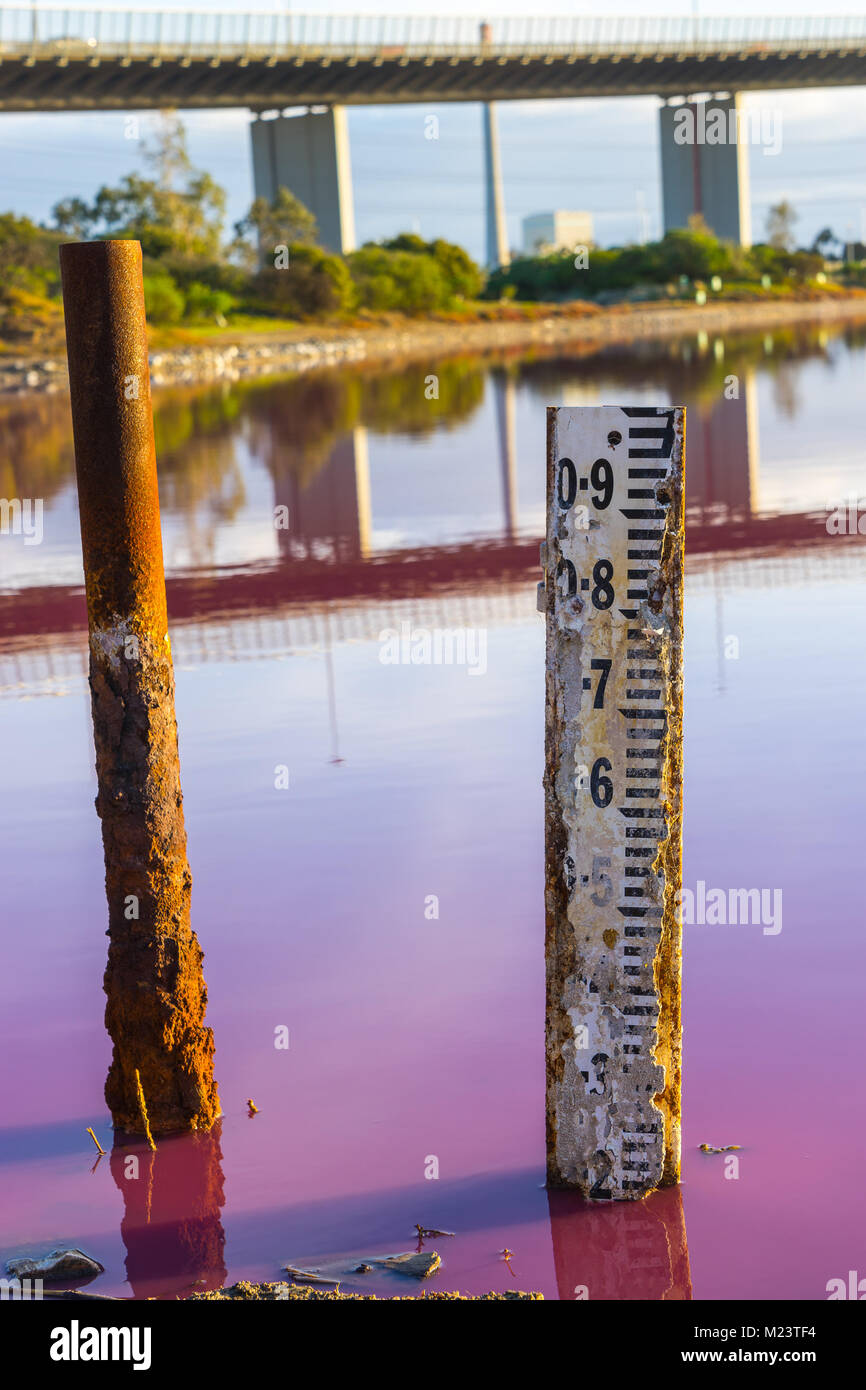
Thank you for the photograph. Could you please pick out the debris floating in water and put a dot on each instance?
(335, 1271)
(726, 1148)
(254, 1109)
(417, 1265)
(309, 1276)
(95, 1140)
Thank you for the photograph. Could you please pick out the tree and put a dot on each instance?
(464, 277)
(166, 151)
(406, 282)
(163, 301)
(181, 209)
(825, 241)
(28, 256)
(284, 221)
(73, 217)
(314, 284)
(780, 225)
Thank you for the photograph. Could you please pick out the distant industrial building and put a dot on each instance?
(546, 232)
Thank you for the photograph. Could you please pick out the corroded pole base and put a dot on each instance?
(154, 981)
(156, 991)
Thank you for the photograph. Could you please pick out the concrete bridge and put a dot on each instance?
(97, 60)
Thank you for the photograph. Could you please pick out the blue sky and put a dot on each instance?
(599, 156)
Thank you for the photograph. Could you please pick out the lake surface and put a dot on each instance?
(416, 1041)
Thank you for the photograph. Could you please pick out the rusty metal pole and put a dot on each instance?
(154, 982)
(613, 818)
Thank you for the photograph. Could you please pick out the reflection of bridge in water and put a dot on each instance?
(274, 611)
(332, 514)
(330, 586)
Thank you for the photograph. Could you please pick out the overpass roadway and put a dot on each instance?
(66, 59)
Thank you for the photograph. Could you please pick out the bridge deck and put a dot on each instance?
(108, 59)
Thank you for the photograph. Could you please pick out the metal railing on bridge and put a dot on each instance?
(81, 33)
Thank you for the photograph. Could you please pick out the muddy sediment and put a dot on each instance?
(283, 1293)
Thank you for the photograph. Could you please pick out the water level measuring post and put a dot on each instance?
(613, 599)
(156, 994)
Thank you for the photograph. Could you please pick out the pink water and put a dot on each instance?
(410, 1038)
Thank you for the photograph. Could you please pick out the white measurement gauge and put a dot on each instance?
(613, 564)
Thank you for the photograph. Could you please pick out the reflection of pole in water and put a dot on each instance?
(723, 472)
(362, 489)
(171, 1224)
(620, 1250)
(506, 421)
(720, 627)
(750, 387)
(332, 508)
(723, 476)
(332, 693)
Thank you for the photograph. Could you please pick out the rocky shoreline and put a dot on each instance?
(244, 1292)
(417, 1265)
(262, 355)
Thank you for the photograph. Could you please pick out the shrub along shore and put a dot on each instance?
(185, 356)
(270, 291)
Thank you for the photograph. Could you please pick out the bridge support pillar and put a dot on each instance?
(705, 167)
(497, 232)
(309, 155)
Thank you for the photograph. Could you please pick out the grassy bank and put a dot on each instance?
(190, 356)
(31, 326)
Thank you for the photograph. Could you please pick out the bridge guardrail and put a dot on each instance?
(137, 32)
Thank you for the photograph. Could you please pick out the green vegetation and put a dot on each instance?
(271, 272)
(682, 262)
(271, 267)
(411, 276)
